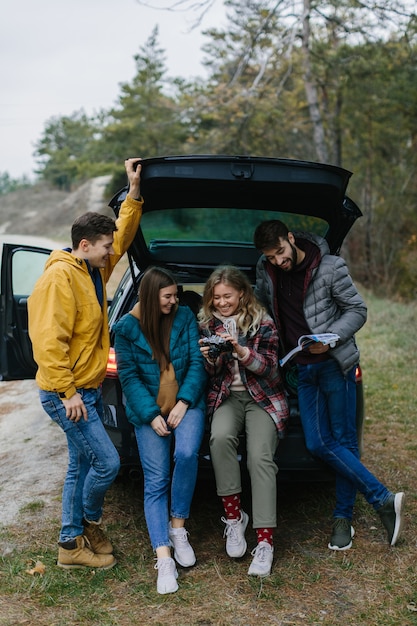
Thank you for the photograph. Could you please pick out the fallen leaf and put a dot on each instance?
(38, 569)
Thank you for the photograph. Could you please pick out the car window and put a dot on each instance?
(27, 267)
(219, 224)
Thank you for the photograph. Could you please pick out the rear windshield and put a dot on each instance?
(237, 225)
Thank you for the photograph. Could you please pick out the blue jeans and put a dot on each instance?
(327, 402)
(155, 456)
(93, 462)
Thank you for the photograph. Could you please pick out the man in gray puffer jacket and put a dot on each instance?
(309, 291)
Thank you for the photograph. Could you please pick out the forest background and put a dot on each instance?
(333, 81)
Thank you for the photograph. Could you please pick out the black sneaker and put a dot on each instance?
(391, 514)
(342, 534)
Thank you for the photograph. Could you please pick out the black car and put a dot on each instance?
(200, 211)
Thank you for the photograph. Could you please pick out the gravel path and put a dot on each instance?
(33, 451)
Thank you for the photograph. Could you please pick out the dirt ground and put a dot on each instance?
(33, 453)
(49, 212)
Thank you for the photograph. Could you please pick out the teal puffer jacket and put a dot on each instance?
(139, 372)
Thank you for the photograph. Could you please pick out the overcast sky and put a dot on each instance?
(58, 56)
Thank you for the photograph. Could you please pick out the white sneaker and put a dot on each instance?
(183, 552)
(261, 564)
(167, 575)
(235, 535)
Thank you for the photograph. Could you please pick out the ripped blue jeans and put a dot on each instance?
(93, 462)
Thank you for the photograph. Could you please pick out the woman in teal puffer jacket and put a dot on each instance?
(162, 374)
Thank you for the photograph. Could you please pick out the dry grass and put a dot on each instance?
(371, 584)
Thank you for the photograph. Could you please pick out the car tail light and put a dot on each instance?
(358, 374)
(111, 371)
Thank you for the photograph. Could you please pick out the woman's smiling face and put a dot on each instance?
(168, 297)
(226, 299)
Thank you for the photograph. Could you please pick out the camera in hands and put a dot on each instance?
(217, 345)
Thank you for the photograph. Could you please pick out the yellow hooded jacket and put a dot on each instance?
(67, 326)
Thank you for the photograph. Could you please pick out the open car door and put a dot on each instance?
(21, 266)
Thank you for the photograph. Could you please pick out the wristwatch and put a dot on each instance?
(184, 401)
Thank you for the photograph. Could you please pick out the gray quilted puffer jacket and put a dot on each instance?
(332, 303)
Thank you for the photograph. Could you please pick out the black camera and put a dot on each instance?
(217, 345)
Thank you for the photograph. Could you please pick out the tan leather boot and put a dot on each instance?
(96, 539)
(82, 556)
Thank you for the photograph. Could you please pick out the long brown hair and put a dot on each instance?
(156, 326)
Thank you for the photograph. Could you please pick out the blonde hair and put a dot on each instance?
(250, 312)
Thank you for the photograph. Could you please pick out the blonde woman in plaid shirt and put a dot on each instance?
(245, 396)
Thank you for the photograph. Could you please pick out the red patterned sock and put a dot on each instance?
(231, 506)
(265, 534)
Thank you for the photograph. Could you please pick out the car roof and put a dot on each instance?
(243, 189)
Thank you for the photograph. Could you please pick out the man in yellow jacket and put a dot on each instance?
(68, 327)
